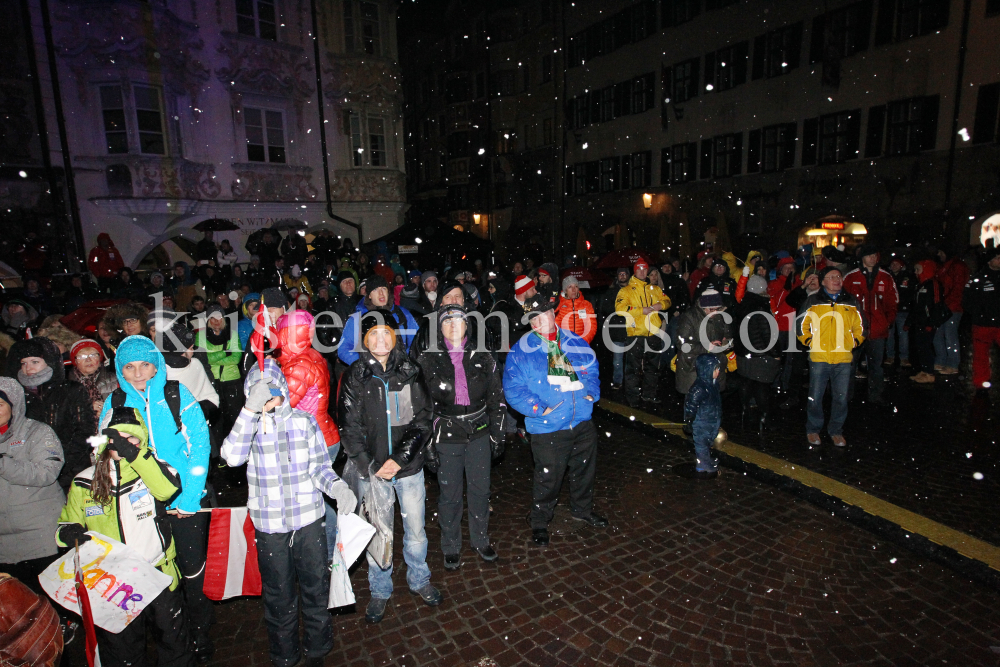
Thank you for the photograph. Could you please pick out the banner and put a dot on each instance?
(231, 566)
(120, 583)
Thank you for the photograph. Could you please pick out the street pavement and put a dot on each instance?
(725, 572)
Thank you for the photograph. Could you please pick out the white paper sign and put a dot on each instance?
(120, 583)
(353, 536)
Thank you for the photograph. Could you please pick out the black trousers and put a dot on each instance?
(760, 392)
(230, 403)
(285, 558)
(191, 541)
(128, 647)
(27, 571)
(642, 365)
(573, 451)
(472, 461)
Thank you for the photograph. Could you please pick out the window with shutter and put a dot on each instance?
(685, 80)
(987, 104)
(593, 177)
(875, 134)
(649, 90)
(706, 159)
(912, 125)
(759, 57)
(810, 139)
(684, 158)
(568, 181)
(899, 20)
(728, 155)
(665, 161)
(753, 151)
(838, 136)
(626, 172)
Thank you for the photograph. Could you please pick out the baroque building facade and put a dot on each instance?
(177, 112)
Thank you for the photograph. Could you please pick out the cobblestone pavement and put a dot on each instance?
(921, 452)
(726, 572)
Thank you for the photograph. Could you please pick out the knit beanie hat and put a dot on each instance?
(427, 275)
(84, 343)
(451, 312)
(273, 297)
(376, 281)
(757, 285)
(522, 285)
(570, 280)
(827, 270)
(216, 312)
(710, 298)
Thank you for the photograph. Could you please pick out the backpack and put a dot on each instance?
(171, 392)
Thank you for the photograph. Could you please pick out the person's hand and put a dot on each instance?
(497, 446)
(388, 469)
(547, 411)
(181, 514)
(589, 398)
(258, 396)
(346, 500)
(72, 533)
(746, 271)
(124, 446)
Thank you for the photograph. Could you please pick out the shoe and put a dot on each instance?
(595, 520)
(376, 609)
(889, 361)
(861, 375)
(838, 441)
(69, 629)
(654, 400)
(540, 536)
(487, 553)
(615, 386)
(431, 596)
(923, 378)
(948, 370)
(938, 367)
(452, 561)
(690, 471)
(905, 363)
(813, 439)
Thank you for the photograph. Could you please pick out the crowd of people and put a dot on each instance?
(313, 352)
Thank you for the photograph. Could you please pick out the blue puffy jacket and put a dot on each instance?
(352, 331)
(703, 404)
(526, 385)
(186, 452)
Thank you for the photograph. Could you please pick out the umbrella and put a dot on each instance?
(288, 223)
(84, 320)
(216, 225)
(624, 257)
(589, 279)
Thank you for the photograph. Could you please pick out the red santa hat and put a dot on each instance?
(522, 285)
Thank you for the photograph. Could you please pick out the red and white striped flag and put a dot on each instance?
(231, 567)
(90, 635)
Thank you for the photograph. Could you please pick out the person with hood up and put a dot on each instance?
(719, 280)
(53, 400)
(641, 305)
(385, 423)
(925, 317)
(16, 317)
(184, 446)
(222, 346)
(251, 302)
(429, 335)
(294, 279)
(288, 471)
(615, 324)
(551, 377)
(758, 360)
(105, 261)
(90, 371)
(157, 284)
(308, 379)
(469, 431)
(30, 496)
(124, 287)
(294, 249)
(691, 342)
(575, 313)
(124, 496)
(426, 301)
(377, 298)
(703, 410)
(878, 299)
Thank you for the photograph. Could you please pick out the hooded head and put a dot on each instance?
(36, 347)
(295, 331)
(273, 376)
(140, 348)
(12, 394)
(928, 269)
(25, 315)
(705, 365)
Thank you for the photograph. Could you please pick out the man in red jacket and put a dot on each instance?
(105, 261)
(878, 299)
(952, 275)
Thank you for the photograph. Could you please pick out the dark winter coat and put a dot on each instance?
(484, 379)
(906, 285)
(981, 300)
(606, 309)
(293, 249)
(929, 294)
(762, 366)
(723, 284)
(677, 291)
(62, 404)
(703, 404)
(689, 333)
(377, 408)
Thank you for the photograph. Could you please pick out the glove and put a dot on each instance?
(258, 396)
(120, 443)
(497, 446)
(746, 271)
(345, 498)
(71, 533)
(432, 461)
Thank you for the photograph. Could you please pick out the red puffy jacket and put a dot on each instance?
(105, 262)
(577, 315)
(953, 276)
(779, 289)
(306, 372)
(877, 305)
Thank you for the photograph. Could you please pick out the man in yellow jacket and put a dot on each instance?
(831, 327)
(641, 304)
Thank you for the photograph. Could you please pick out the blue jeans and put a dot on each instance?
(896, 329)
(331, 514)
(618, 374)
(411, 498)
(839, 378)
(704, 437)
(946, 347)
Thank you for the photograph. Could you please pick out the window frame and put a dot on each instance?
(685, 164)
(266, 128)
(256, 20)
(357, 39)
(727, 155)
(357, 127)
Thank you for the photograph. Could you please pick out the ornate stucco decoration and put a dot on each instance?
(368, 185)
(276, 183)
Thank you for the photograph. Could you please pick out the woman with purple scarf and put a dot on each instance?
(469, 411)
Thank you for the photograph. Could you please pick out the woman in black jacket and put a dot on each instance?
(385, 420)
(52, 399)
(757, 357)
(469, 429)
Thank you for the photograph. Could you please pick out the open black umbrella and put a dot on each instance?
(288, 223)
(216, 225)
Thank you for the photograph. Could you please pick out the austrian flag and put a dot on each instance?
(231, 567)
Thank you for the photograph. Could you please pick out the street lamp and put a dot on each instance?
(647, 200)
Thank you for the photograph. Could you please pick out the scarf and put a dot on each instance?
(89, 383)
(36, 380)
(457, 355)
(561, 372)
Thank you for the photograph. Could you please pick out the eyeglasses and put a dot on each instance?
(80, 357)
(130, 320)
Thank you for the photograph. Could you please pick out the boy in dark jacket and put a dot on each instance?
(703, 409)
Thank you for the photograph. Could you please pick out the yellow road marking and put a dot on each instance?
(968, 546)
